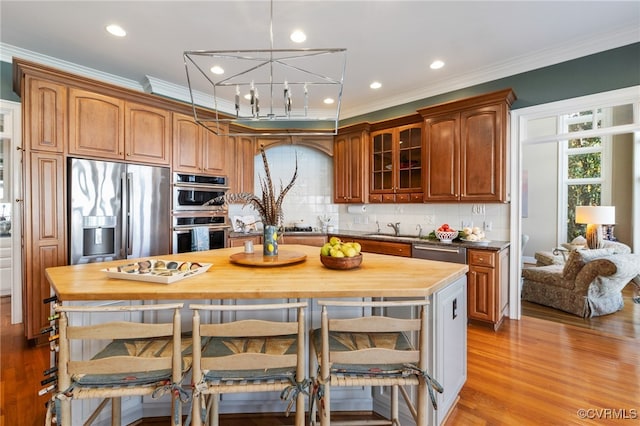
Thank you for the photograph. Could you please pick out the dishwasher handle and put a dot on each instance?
(438, 249)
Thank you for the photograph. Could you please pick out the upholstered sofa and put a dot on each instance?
(589, 284)
(559, 255)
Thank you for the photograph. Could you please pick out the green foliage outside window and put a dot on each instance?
(582, 166)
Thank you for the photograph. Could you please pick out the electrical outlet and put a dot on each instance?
(488, 226)
(430, 219)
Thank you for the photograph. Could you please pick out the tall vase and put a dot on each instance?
(270, 240)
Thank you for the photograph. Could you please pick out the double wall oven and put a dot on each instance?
(195, 205)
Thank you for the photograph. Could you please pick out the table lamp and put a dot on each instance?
(594, 217)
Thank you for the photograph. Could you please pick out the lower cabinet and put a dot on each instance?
(309, 240)
(380, 247)
(238, 241)
(488, 288)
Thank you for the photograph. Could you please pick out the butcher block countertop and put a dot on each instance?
(378, 276)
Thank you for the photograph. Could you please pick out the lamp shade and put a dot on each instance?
(598, 215)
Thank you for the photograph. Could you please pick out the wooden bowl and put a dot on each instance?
(341, 263)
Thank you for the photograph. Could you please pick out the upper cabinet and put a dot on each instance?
(147, 134)
(241, 161)
(396, 165)
(198, 150)
(112, 128)
(96, 125)
(350, 150)
(45, 103)
(465, 153)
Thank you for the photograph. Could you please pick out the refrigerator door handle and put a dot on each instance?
(124, 216)
(128, 213)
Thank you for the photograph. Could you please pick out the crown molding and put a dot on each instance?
(569, 50)
(8, 52)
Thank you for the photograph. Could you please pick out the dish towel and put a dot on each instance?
(200, 238)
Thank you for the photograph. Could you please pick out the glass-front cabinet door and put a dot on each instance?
(396, 165)
(410, 158)
(382, 161)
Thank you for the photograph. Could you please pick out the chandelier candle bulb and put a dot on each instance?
(237, 101)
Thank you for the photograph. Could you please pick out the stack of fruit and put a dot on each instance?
(472, 234)
(445, 233)
(337, 254)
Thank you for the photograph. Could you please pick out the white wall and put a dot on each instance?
(540, 162)
(622, 187)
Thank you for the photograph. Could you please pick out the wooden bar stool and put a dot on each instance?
(140, 359)
(248, 355)
(372, 350)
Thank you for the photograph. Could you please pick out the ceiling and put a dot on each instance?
(389, 41)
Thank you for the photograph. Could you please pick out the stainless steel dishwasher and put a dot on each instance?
(453, 253)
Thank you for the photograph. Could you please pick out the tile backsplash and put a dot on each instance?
(311, 198)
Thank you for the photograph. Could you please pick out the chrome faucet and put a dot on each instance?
(419, 228)
(395, 226)
(378, 226)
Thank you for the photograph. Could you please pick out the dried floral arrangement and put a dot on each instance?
(269, 206)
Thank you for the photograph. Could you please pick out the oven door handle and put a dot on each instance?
(201, 186)
(188, 228)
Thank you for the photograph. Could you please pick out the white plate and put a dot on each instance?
(479, 242)
(165, 272)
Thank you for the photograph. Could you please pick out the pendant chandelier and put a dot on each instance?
(267, 91)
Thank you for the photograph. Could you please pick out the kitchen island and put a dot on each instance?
(444, 284)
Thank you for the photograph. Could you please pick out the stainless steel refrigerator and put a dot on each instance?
(117, 211)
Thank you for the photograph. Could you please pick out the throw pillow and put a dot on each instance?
(573, 265)
(578, 258)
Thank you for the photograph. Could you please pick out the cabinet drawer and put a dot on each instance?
(482, 258)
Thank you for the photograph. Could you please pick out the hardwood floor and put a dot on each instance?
(530, 372)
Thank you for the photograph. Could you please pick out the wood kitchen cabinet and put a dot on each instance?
(196, 149)
(44, 117)
(350, 154)
(147, 134)
(44, 234)
(241, 164)
(309, 240)
(111, 128)
(396, 165)
(238, 241)
(379, 247)
(45, 103)
(465, 153)
(96, 125)
(487, 286)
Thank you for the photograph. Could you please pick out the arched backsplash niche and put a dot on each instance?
(312, 195)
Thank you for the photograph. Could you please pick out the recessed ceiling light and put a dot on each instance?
(298, 36)
(216, 69)
(328, 101)
(375, 85)
(436, 65)
(116, 30)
